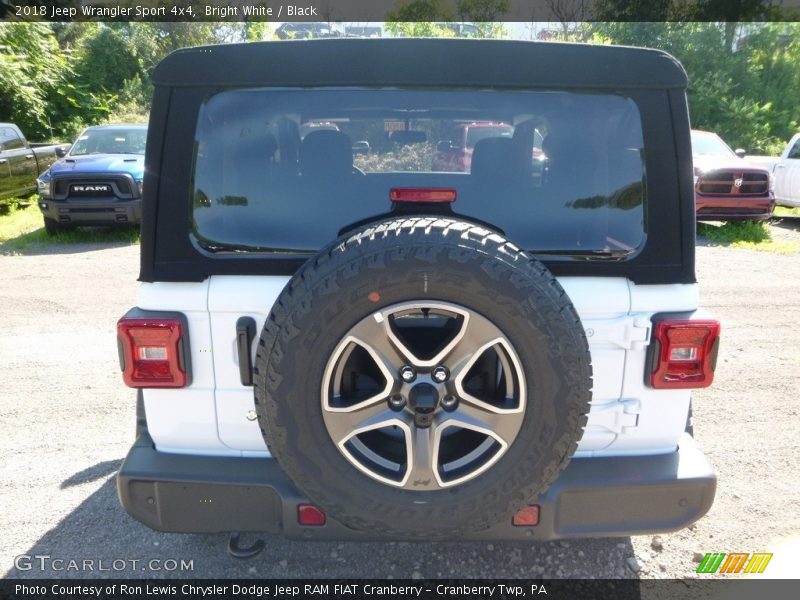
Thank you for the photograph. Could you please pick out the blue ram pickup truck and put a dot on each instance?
(98, 182)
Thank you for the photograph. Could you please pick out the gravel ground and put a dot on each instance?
(68, 421)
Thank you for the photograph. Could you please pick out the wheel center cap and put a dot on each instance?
(423, 398)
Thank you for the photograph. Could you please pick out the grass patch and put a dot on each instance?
(749, 235)
(785, 211)
(736, 231)
(19, 222)
(22, 227)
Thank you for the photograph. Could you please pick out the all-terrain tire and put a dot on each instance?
(422, 259)
(52, 227)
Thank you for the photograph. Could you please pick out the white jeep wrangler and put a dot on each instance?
(340, 345)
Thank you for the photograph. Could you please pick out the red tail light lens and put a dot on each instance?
(422, 194)
(686, 353)
(526, 517)
(151, 352)
(310, 516)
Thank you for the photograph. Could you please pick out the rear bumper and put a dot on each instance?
(94, 212)
(593, 497)
(716, 208)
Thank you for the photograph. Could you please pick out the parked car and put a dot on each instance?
(786, 171)
(303, 31)
(727, 187)
(398, 352)
(364, 31)
(21, 162)
(98, 182)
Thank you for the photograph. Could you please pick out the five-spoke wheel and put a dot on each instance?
(423, 395)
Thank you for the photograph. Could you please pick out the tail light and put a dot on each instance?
(151, 352)
(684, 353)
(422, 194)
(526, 517)
(310, 516)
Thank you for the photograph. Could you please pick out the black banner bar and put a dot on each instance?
(408, 589)
(366, 11)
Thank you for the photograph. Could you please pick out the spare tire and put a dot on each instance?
(422, 378)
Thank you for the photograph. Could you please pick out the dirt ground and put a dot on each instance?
(67, 421)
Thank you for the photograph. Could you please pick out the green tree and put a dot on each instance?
(484, 14)
(33, 76)
(105, 61)
(482, 10)
(741, 77)
(419, 18)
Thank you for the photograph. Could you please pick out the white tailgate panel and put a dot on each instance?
(214, 415)
(602, 304)
(229, 298)
(185, 420)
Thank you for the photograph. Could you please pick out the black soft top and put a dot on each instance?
(186, 79)
(458, 62)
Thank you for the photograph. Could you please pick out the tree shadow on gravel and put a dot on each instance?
(93, 473)
(100, 531)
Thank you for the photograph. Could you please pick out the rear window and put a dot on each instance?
(289, 170)
(9, 140)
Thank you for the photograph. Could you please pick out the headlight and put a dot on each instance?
(43, 187)
(771, 182)
(141, 187)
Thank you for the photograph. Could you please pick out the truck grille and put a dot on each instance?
(93, 187)
(733, 183)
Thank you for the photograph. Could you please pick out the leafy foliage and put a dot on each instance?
(33, 74)
(408, 15)
(432, 18)
(741, 78)
(412, 157)
(55, 79)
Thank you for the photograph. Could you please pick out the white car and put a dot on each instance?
(786, 171)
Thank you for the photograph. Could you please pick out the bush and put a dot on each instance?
(413, 157)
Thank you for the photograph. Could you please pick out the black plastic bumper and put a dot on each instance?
(93, 212)
(593, 497)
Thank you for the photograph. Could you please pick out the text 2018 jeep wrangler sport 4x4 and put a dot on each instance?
(332, 346)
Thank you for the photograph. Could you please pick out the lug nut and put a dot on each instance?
(449, 403)
(408, 374)
(397, 402)
(440, 374)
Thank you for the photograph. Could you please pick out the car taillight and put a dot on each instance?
(526, 517)
(151, 352)
(422, 194)
(310, 516)
(685, 353)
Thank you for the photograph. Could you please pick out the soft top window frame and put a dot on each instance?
(169, 255)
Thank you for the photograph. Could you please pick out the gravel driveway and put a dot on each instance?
(67, 422)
